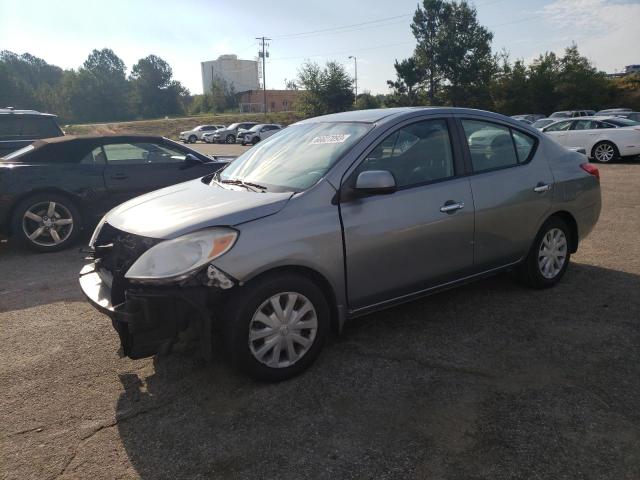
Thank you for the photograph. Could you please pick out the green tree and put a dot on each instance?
(327, 90)
(579, 84)
(365, 101)
(405, 87)
(512, 88)
(154, 92)
(543, 78)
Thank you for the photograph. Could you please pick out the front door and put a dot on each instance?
(140, 167)
(558, 131)
(419, 236)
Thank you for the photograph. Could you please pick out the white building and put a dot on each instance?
(242, 74)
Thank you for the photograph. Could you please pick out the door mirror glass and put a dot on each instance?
(376, 182)
(191, 159)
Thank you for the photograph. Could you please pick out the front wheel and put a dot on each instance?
(255, 140)
(193, 139)
(605, 152)
(46, 222)
(231, 139)
(549, 255)
(276, 327)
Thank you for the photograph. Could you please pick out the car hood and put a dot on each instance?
(186, 207)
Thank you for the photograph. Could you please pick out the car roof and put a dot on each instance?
(97, 139)
(33, 113)
(377, 115)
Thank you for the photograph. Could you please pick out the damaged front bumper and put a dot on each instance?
(151, 318)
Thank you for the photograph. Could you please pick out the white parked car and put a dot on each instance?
(259, 132)
(207, 137)
(604, 139)
(192, 136)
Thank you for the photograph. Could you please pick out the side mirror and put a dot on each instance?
(376, 182)
(191, 159)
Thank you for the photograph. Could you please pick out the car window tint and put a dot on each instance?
(490, 145)
(94, 157)
(524, 145)
(142, 153)
(39, 127)
(584, 125)
(10, 126)
(559, 127)
(415, 154)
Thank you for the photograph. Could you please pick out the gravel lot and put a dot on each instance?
(487, 381)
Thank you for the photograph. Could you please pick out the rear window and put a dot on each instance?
(622, 122)
(21, 127)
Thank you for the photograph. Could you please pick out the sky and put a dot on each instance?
(376, 32)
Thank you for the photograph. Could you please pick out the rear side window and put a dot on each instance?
(20, 127)
(490, 145)
(524, 145)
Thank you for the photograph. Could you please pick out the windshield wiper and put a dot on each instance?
(248, 185)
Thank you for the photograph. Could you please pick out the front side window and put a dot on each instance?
(142, 153)
(490, 145)
(416, 154)
(94, 157)
(297, 158)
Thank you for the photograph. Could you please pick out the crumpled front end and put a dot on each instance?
(148, 318)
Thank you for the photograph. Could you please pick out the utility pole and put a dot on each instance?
(355, 61)
(264, 55)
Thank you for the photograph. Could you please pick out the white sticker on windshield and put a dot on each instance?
(325, 139)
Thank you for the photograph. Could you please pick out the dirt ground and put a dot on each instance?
(490, 380)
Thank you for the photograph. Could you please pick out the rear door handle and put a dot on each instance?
(119, 176)
(451, 206)
(542, 187)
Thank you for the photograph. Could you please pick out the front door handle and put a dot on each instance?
(451, 206)
(119, 176)
(542, 187)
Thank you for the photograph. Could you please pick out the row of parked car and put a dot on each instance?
(245, 133)
(604, 136)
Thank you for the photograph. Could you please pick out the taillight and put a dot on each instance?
(591, 169)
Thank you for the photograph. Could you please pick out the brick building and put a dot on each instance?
(277, 100)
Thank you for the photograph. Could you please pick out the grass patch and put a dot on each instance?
(171, 127)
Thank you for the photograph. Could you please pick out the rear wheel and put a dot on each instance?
(605, 152)
(276, 327)
(549, 255)
(46, 222)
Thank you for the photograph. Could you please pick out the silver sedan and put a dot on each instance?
(333, 218)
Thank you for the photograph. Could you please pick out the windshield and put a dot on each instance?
(255, 128)
(542, 123)
(622, 122)
(295, 158)
(233, 126)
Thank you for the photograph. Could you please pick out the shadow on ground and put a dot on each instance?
(491, 380)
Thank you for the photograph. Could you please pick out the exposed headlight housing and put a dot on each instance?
(96, 232)
(178, 259)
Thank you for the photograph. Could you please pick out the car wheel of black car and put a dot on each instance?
(549, 256)
(230, 139)
(255, 140)
(193, 139)
(46, 222)
(276, 326)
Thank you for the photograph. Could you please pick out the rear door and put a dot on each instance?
(140, 167)
(581, 133)
(419, 236)
(512, 191)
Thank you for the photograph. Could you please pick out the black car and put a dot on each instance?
(51, 189)
(19, 128)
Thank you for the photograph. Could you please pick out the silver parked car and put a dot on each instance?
(333, 218)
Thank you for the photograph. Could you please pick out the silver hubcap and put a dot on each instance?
(552, 253)
(47, 223)
(604, 152)
(283, 329)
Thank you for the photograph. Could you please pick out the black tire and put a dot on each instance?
(599, 149)
(193, 139)
(530, 271)
(246, 301)
(67, 233)
(255, 140)
(230, 139)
